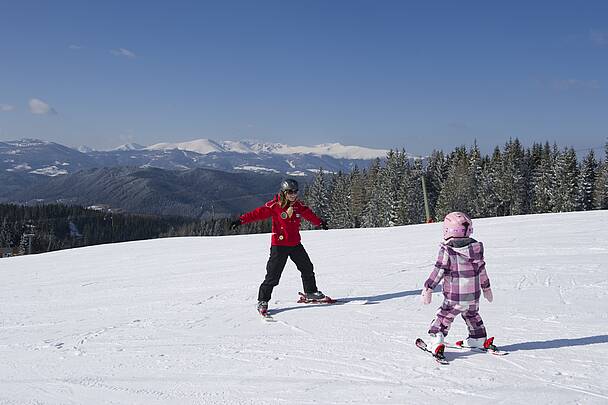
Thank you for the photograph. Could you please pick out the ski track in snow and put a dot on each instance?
(173, 321)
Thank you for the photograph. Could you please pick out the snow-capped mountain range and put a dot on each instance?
(206, 146)
(42, 157)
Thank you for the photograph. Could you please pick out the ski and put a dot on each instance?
(439, 358)
(267, 318)
(263, 311)
(489, 347)
(304, 300)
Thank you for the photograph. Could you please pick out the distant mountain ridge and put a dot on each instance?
(46, 158)
(196, 193)
(335, 150)
(197, 178)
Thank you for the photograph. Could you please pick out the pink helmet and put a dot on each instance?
(457, 225)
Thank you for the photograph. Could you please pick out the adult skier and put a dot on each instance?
(286, 211)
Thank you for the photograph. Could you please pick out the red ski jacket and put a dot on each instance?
(285, 227)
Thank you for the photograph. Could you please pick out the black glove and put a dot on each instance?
(235, 224)
(324, 225)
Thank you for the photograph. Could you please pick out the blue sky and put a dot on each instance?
(384, 74)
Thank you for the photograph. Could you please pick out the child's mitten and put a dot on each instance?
(487, 293)
(426, 296)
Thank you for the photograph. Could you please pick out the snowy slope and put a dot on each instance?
(173, 321)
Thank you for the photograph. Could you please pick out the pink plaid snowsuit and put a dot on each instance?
(464, 275)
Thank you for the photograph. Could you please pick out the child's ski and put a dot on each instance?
(439, 358)
(488, 347)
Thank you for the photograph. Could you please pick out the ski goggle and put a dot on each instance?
(291, 191)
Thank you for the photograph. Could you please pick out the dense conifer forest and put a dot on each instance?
(511, 181)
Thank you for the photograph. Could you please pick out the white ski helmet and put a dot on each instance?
(457, 225)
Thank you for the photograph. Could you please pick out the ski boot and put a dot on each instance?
(437, 345)
(263, 308)
(316, 297)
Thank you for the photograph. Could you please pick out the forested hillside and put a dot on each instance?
(512, 181)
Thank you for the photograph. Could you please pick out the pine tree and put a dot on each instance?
(588, 175)
(413, 194)
(358, 195)
(510, 183)
(436, 174)
(476, 177)
(457, 191)
(317, 197)
(394, 171)
(487, 198)
(542, 182)
(566, 186)
(601, 183)
(378, 210)
(6, 239)
(340, 203)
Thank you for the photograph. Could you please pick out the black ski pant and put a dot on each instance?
(276, 264)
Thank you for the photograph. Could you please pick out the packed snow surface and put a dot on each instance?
(173, 321)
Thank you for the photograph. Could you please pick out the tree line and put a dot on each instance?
(49, 227)
(511, 181)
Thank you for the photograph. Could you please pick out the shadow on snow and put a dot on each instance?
(556, 343)
(371, 299)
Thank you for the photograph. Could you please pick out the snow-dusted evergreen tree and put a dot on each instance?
(403, 198)
(436, 173)
(566, 182)
(601, 183)
(510, 184)
(487, 198)
(377, 211)
(457, 191)
(23, 245)
(588, 175)
(340, 203)
(394, 171)
(542, 181)
(531, 160)
(412, 197)
(6, 239)
(358, 195)
(476, 175)
(316, 197)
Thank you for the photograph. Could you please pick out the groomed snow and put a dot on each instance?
(172, 321)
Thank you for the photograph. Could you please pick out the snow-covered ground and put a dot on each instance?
(173, 321)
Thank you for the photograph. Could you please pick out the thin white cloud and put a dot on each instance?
(38, 106)
(123, 52)
(75, 47)
(575, 84)
(6, 107)
(599, 38)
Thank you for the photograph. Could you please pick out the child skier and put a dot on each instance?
(286, 212)
(461, 265)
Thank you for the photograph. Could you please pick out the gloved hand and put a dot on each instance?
(235, 224)
(324, 225)
(426, 296)
(487, 294)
